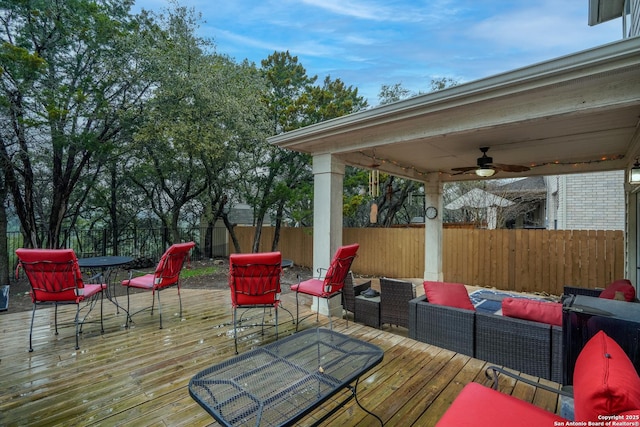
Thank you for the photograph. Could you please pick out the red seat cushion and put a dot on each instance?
(624, 286)
(142, 282)
(477, 405)
(537, 311)
(313, 287)
(449, 294)
(604, 380)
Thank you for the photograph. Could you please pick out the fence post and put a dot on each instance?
(104, 242)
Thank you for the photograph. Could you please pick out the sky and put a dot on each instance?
(370, 43)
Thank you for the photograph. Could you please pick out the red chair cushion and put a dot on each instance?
(313, 287)
(333, 281)
(537, 311)
(449, 294)
(604, 380)
(141, 282)
(624, 286)
(339, 267)
(254, 278)
(167, 271)
(54, 275)
(170, 265)
(477, 405)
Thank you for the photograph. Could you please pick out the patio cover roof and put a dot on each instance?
(577, 113)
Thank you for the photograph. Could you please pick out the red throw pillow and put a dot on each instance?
(538, 311)
(624, 286)
(449, 294)
(604, 380)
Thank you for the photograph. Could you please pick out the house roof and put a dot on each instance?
(577, 113)
(530, 184)
(478, 198)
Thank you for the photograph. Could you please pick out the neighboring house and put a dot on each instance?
(481, 206)
(242, 214)
(588, 201)
(529, 202)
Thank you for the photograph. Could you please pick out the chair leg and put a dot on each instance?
(276, 323)
(159, 309)
(293, 320)
(33, 315)
(55, 317)
(235, 329)
(153, 301)
(129, 320)
(297, 312)
(101, 308)
(180, 301)
(77, 322)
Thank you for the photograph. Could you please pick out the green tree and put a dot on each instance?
(179, 124)
(392, 93)
(293, 100)
(69, 74)
(244, 118)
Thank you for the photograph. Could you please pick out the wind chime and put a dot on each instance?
(374, 191)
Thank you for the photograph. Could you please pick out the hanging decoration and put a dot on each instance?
(373, 214)
(374, 183)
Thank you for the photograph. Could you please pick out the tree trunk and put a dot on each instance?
(276, 232)
(230, 228)
(256, 238)
(4, 247)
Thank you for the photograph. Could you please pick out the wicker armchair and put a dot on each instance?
(394, 301)
(349, 293)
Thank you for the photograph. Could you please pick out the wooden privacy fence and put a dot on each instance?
(518, 260)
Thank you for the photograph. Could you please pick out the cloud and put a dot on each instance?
(540, 26)
(367, 43)
(389, 11)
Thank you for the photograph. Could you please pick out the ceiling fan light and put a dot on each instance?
(485, 172)
(634, 173)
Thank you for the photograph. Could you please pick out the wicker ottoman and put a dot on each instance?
(368, 311)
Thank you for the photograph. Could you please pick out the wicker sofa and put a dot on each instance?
(530, 347)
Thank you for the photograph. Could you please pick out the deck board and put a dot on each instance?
(139, 375)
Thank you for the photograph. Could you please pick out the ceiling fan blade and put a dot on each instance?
(512, 168)
(466, 169)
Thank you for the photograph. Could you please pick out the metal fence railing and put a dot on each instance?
(135, 242)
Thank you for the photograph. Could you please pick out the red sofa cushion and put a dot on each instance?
(604, 380)
(538, 311)
(477, 405)
(449, 294)
(624, 286)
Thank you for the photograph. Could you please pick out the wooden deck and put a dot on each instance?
(139, 376)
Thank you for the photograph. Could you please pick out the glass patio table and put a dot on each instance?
(280, 383)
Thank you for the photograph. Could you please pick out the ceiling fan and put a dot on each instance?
(486, 168)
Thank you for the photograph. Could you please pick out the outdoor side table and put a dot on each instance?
(107, 266)
(279, 383)
(368, 311)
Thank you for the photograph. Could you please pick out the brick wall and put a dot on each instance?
(590, 201)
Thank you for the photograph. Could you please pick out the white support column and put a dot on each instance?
(433, 231)
(328, 177)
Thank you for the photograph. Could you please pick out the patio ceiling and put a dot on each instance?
(577, 113)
